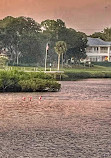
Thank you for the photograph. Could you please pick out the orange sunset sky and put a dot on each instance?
(83, 15)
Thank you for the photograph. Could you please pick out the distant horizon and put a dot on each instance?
(82, 15)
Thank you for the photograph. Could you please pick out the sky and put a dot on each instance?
(88, 16)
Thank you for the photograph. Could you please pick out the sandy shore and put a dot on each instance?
(60, 125)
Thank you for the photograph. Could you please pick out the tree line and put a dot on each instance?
(24, 40)
(104, 35)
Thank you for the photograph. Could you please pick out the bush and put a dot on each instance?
(8, 81)
(41, 75)
(3, 61)
(34, 85)
(14, 81)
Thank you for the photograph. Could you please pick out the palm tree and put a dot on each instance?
(60, 49)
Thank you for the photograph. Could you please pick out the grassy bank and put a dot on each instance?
(70, 74)
(84, 73)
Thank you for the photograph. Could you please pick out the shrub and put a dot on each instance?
(8, 81)
(41, 75)
(33, 85)
(3, 61)
(21, 81)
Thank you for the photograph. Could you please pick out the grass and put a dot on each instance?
(95, 68)
(20, 68)
(74, 73)
(86, 72)
(74, 68)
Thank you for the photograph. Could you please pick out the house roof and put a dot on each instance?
(97, 42)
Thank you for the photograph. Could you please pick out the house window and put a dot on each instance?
(95, 49)
(104, 50)
(89, 49)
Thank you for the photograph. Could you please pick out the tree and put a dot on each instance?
(31, 48)
(107, 34)
(3, 61)
(51, 29)
(60, 49)
(52, 25)
(98, 35)
(12, 32)
(104, 35)
(76, 43)
(25, 42)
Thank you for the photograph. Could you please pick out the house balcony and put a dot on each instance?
(97, 54)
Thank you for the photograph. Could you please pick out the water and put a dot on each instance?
(72, 123)
(90, 89)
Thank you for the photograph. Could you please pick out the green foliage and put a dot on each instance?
(41, 75)
(21, 38)
(52, 25)
(57, 31)
(104, 35)
(30, 46)
(51, 29)
(102, 74)
(25, 41)
(77, 74)
(98, 35)
(76, 43)
(106, 64)
(38, 85)
(15, 81)
(3, 61)
(8, 81)
(60, 49)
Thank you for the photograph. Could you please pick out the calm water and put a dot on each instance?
(94, 89)
(72, 123)
(90, 89)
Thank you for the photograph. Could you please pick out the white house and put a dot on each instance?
(98, 50)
